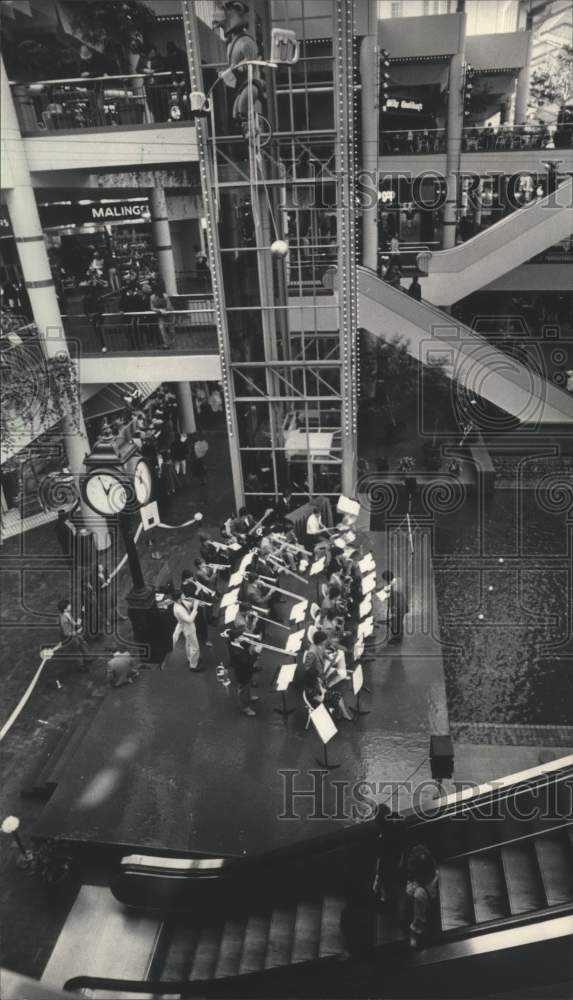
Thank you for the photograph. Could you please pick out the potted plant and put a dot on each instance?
(406, 464)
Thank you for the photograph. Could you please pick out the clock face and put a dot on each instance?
(143, 482)
(106, 493)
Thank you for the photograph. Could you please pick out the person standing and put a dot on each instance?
(415, 289)
(185, 611)
(180, 454)
(71, 634)
(315, 529)
(159, 304)
(243, 657)
(200, 449)
(397, 605)
(93, 308)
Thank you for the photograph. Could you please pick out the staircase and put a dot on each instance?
(248, 940)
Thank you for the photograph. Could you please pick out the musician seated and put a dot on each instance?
(316, 531)
(317, 693)
(242, 524)
(213, 552)
(333, 625)
(330, 663)
(334, 601)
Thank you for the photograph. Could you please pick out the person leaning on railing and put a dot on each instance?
(160, 304)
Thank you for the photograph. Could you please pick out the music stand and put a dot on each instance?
(324, 726)
(366, 564)
(315, 570)
(368, 584)
(347, 506)
(294, 642)
(365, 606)
(298, 612)
(357, 686)
(284, 680)
(237, 578)
(231, 613)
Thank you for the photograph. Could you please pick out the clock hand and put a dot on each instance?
(108, 491)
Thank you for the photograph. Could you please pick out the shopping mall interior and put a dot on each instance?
(287, 498)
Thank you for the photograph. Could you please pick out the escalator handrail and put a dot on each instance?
(532, 835)
(466, 254)
(175, 866)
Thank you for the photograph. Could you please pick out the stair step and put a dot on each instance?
(522, 877)
(331, 940)
(255, 943)
(556, 867)
(456, 908)
(206, 952)
(231, 948)
(389, 928)
(306, 931)
(280, 939)
(177, 961)
(488, 887)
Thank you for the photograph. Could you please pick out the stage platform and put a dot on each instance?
(169, 763)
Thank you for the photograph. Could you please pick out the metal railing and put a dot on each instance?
(100, 102)
(176, 330)
(413, 141)
(503, 138)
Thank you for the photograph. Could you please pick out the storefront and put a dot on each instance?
(410, 209)
(13, 293)
(416, 102)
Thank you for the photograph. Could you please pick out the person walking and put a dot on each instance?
(71, 634)
(185, 611)
(93, 308)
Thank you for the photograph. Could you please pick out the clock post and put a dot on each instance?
(117, 484)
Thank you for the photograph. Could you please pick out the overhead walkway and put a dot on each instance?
(452, 274)
(479, 369)
(301, 921)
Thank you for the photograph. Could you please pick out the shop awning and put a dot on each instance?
(420, 75)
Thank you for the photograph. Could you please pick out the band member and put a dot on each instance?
(397, 604)
(185, 611)
(243, 657)
(315, 530)
(193, 590)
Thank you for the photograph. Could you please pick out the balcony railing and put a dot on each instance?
(411, 142)
(101, 102)
(178, 331)
(504, 138)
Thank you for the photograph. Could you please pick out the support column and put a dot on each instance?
(454, 139)
(35, 264)
(370, 121)
(161, 233)
(186, 409)
(523, 84)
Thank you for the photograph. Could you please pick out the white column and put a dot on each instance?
(161, 233)
(523, 84)
(186, 409)
(35, 264)
(454, 144)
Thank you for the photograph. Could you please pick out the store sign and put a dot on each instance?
(393, 104)
(54, 216)
(117, 212)
(387, 197)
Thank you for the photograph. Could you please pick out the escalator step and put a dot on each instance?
(389, 928)
(488, 887)
(522, 877)
(281, 935)
(255, 943)
(306, 931)
(231, 948)
(181, 952)
(456, 908)
(206, 952)
(556, 867)
(331, 941)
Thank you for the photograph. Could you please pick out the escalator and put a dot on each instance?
(451, 275)
(287, 923)
(478, 368)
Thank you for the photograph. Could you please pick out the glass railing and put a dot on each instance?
(504, 138)
(101, 102)
(561, 253)
(179, 331)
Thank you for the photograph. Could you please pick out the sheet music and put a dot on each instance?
(323, 723)
(357, 679)
(285, 676)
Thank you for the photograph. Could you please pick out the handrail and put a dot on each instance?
(97, 79)
(512, 840)
(146, 312)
